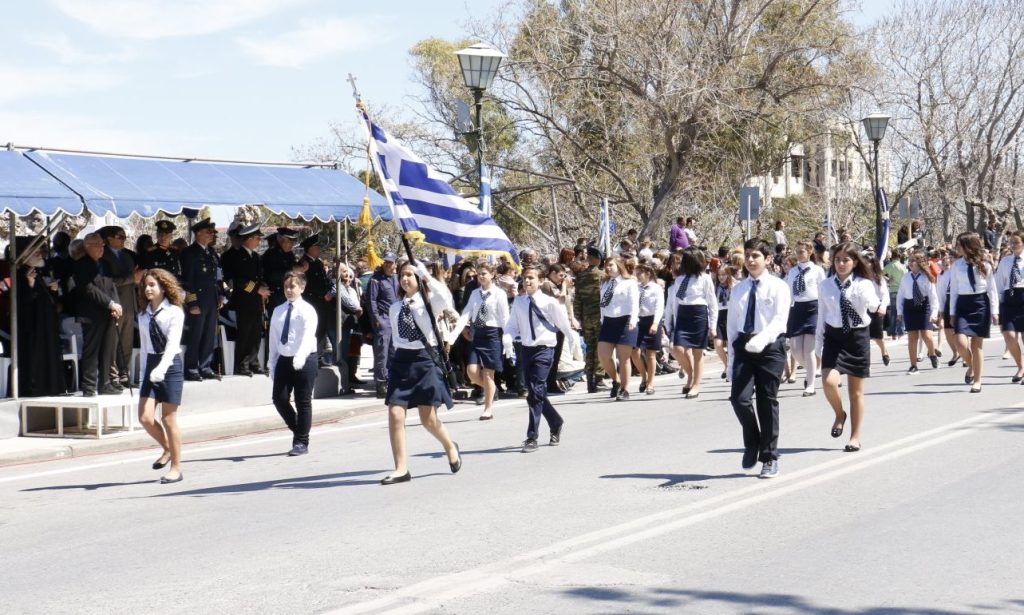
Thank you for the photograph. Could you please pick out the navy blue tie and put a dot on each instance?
(970, 274)
(918, 295)
(681, 293)
(287, 324)
(1015, 275)
(157, 339)
(748, 322)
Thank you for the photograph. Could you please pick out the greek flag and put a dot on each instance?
(604, 229)
(426, 207)
(883, 237)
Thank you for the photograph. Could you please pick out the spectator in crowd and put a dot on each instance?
(678, 239)
(96, 303)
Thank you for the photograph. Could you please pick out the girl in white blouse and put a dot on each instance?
(973, 304)
(415, 378)
(485, 314)
(1010, 282)
(845, 302)
(917, 305)
(652, 309)
(942, 291)
(620, 313)
(160, 327)
(691, 317)
(802, 325)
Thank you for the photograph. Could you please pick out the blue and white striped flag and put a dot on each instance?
(485, 190)
(425, 205)
(604, 229)
(883, 236)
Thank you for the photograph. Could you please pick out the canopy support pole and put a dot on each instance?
(337, 303)
(13, 222)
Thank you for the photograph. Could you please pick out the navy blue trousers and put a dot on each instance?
(757, 376)
(200, 339)
(535, 366)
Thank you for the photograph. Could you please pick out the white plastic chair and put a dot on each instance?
(72, 356)
(227, 350)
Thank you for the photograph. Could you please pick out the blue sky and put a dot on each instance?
(238, 79)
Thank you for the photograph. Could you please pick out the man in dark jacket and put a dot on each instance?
(382, 291)
(319, 293)
(202, 301)
(120, 264)
(97, 306)
(243, 269)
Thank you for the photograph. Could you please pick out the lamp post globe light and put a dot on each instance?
(479, 64)
(874, 126)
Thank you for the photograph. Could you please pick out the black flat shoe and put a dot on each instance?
(159, 466)
(458, 464)
(686, 390)
(885, 359)
(486, 417)
(935, 361)
(838, 431)
(953, 361)
(851, 448)
(615, 390)
(166, 481)
(968, 379)
(391, 480)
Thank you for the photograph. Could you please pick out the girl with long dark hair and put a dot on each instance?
(1010, 282)
(620, 313)
(691, 316)
(652, 309)
(917, 305)
(803, 280)
(974, 305)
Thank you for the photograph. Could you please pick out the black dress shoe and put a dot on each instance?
(391, 480)
(615, 390)
(458, 464)
(749, 458)
(193, 377)
(243, 372)
(210, 375)
(110, 390)
(88, 393)
(157, 465)
(166, 481)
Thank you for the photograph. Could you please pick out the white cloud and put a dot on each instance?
(23, 82)
(156, 19)
(312, 41)
(66, 52)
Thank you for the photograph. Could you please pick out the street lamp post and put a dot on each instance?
(875, 125)
(479, 64)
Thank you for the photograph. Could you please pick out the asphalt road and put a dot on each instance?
(642, 509)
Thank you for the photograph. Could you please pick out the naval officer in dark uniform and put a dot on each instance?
(277, 261)
(162, 256)
(320, 292)
(243, 269)
(202, 299)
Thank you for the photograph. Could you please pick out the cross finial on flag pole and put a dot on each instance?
(355, 91)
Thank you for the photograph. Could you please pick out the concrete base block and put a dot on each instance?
(328, 383)
(10, 421)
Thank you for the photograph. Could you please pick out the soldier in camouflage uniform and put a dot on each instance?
(587, 308)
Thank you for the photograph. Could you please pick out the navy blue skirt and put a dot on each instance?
(847, 353)
(722, 330)
(168, 391)
(915, 317)
(646, 340)
(415, 380)
(1011, 310)
(616, 331)
(973, 315)
(803, 318)
(691, 327)
(485, 349)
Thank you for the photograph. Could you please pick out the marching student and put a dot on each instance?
(758, 310)
(917, 306)
(845, 301)
(620, 313)
(1010, 284)
(652, 309)
(942, 290)
(691, 315)
(803, 280)
(160, 328)
(723, 289)
(415, 376)
(974, 304)
(876, 328)
(536, 318)
(292, 362)
(486, 312)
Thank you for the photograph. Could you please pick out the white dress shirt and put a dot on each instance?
(942, 288)
(625, 299)
(861, 294)
(960, 284)
(518, 324)
(438, 303)
(301, 334)
(653, 303)
(770, 315)
(882, 290)
(1003, 272)
(906, 293)
(171, 321)
(812, 278)
(699, 291)
(497, 308)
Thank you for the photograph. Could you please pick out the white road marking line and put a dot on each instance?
(433, 593)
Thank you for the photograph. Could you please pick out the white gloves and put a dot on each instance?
(157, 376)
(756, 344)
